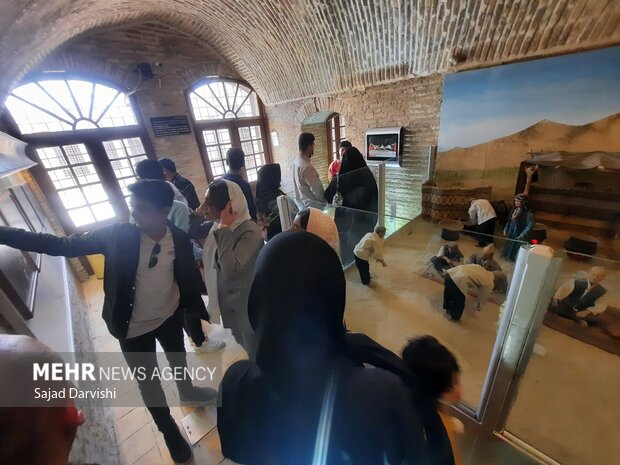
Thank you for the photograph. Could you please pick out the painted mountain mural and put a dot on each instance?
(496, 162)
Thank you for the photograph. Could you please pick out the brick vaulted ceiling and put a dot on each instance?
(291, 49)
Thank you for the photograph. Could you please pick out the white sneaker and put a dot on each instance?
(209, 346)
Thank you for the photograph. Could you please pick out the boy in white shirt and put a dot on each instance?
(370, 247)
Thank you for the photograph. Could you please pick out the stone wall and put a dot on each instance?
(413, 104)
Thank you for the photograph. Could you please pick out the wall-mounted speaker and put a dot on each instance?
(145, 71)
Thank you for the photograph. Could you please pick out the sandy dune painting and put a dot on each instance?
(491, 119)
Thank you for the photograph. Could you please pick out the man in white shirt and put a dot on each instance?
(306, 181)
(577, 299)
(180, 216)
(457, 283)
(150, 277)
(369, 248)
(483, 219)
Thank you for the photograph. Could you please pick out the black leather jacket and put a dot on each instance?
(120, 244)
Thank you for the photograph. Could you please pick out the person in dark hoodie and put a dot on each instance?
(306, 399)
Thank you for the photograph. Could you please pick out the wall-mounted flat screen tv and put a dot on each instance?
(384, 145)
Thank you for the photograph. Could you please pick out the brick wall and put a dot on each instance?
(113, 54)
(413, 104)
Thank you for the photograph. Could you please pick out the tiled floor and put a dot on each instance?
(139, 441)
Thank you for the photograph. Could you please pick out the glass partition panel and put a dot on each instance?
(567, 404)
(406, 297)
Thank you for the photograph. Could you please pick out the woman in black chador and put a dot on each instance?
(357, 187)
(307, 399)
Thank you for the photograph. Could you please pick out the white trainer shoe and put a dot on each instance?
(210, 346)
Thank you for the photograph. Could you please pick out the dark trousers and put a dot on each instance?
(140, 351)
(193, 327)
(564, 310)
(488, 229)
(364, 268)
(453, 299)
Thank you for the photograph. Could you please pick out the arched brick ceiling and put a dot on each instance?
(290, 49)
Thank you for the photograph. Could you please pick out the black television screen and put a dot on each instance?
(383, 146)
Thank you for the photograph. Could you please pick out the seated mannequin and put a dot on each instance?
(485, 259)
(448, 257)
(577, 298)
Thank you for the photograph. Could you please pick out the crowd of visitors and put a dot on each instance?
(307, 393)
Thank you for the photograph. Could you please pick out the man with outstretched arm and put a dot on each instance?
(150, 274)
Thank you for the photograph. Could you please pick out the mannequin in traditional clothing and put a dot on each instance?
(579, 298)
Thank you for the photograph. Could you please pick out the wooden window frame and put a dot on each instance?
(93, 141)
(232, 124)
(335, 117)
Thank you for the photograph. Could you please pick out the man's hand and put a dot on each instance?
(530, 170)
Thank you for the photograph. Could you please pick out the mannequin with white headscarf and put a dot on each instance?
(229, 255)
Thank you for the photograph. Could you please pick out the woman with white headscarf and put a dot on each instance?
(229, 255)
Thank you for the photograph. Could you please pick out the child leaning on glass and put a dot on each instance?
(438, 372)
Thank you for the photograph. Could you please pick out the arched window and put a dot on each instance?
(226, 114)
(87, 139)
(55, 105)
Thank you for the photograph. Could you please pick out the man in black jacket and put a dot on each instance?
(150, 273)
(183, 184)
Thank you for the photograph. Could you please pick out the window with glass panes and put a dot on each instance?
(337, 132)
(123, 155)
(228, 113)
(87, 140)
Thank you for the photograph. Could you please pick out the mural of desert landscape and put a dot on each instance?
(495, 118)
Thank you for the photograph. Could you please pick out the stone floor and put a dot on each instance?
(568, 401)
(567, 405)
(138, 439)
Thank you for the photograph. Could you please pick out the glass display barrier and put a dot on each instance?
(539, 379)
(567, 402)
(406, 297)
